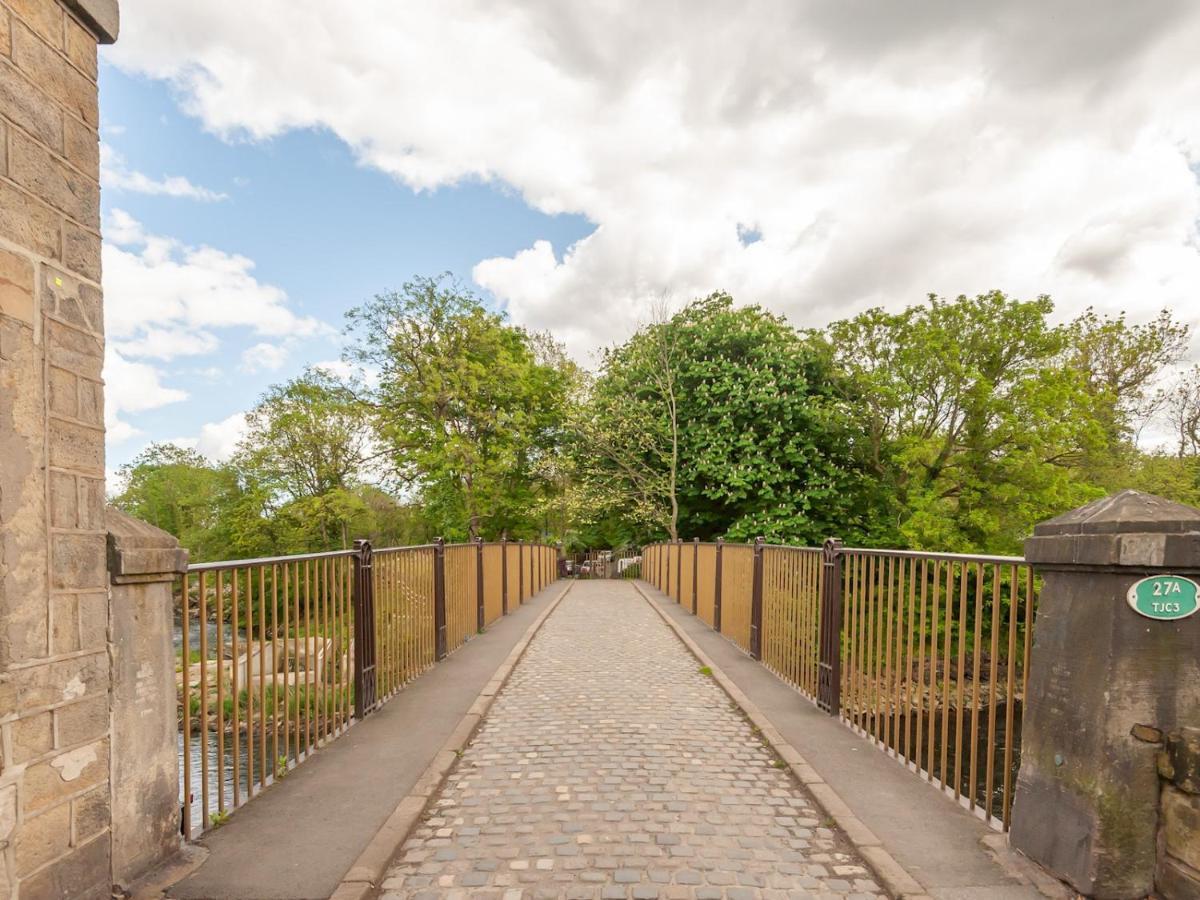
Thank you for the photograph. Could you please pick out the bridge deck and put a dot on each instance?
(612, 766)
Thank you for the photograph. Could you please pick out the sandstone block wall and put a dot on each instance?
(54, 603)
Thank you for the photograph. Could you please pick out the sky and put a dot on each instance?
(268, 165)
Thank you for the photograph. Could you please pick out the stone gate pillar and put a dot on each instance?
(1108, 688)
(54, 607)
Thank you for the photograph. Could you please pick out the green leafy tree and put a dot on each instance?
(970, 417)
(463, 405)
(308, 442)
(731, 417)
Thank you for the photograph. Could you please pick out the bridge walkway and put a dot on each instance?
(612, 766)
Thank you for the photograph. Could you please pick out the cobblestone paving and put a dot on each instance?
(610, 766)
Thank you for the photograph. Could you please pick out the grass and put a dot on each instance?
(706, 670)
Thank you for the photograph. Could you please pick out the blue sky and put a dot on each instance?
(325, 229)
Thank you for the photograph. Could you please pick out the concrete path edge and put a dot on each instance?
(365, 874)
(894, 877)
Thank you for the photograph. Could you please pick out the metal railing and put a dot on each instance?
(924, 654)
(278, 656)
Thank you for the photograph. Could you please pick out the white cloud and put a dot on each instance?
(881, 151)
(159, 288)
(131, 387)
(219, 440)
(264, 357)
(116, 175)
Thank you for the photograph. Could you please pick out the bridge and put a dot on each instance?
(703, 720)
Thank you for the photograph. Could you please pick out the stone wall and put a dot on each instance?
(54, 603)
(1178, 875)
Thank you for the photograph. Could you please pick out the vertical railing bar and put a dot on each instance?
(185, 663)
(202, 607)
(898, 661)
(976, 651)
(235, 687)
(887, 732)
(995, 651)
(250, 698)
(288, 662)
(220, 693)
(934, 634)
(1010, 698)
(908, 686)
(275, 668)
(949, 607)
(919, 731)
(262, 676)
(958, 674)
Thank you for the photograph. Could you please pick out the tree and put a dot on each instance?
(970, 417)
(308, 441)
(1122, 362)
(728, 421)
(463, 405)
(206, 505)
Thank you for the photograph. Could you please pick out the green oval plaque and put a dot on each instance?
(1164, 597)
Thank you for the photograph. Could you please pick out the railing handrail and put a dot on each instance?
(267, 560)
(870, 551)
(330, 554)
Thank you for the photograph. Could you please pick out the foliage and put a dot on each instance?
(464, 405)
(748, 406)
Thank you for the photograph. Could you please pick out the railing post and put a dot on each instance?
(695, 572)
(504, 574)
(756, 601)
(480, 615)
(364, 630)
(717, 590)
(439, 597)
(829, 670)
(678, 570)
(520, 571)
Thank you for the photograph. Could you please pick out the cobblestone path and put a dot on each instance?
(610, 766)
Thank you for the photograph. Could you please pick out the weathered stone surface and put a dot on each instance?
(28, 107)
(91, 814)
(49, 782)
(1087, 800)
(139, 550)
(64, 393)
(1176, 881)
(81, 250)
(101, 16)
(16, 287)
(64, 500)
(53, 683)
(73, 90)
(145, 763)
(64, 623)
(77, 561)
(80, 45)
(43, 16)
(32, 736)
(71, 300)
(93, 620)
(1180, 761)
(8, 811)
(73, 350)
(82, 721)
(1181, 826)
(78, 447)
(81, 875)
(27, 221)
(1126, 512)
(43, 838)
(42, 174)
